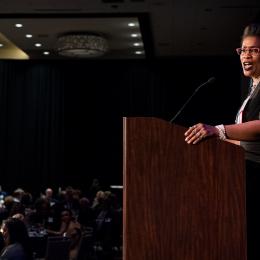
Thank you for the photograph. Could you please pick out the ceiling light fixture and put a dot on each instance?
(38, 45)
(28, 35)
(139, 52)
(82, 45)
(131, 24)
(18, 25)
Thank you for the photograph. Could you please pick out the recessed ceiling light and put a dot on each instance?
(37, 44)
(131, 24)
(1, 45)
(137, 44)
(18, 25)
(46, 53)
(139, 52)
(134, 35)
(28, 35)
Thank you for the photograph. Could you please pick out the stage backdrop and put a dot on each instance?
(61, 121)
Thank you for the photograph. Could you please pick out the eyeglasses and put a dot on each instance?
(251, 51)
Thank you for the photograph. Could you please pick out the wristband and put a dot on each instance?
(221, 132)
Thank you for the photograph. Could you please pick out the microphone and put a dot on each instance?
(210, 81)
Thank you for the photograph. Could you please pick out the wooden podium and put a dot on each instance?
(181, 202)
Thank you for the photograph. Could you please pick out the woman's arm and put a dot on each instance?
(60, 232)
(248, 131)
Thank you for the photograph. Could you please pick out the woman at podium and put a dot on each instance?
(245, 132)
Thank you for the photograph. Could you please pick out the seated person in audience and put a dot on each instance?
(17, 206)
(75, 237)
(16, 241)
(107, 228)
(71, 199)
(85, 216)
(39, 216)
(11, 207)
(68, 224)
(93, 189)
(49, 196)
(98, 202)
(6, 208)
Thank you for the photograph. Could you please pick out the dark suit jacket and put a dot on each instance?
(252, 109)
(252, 112)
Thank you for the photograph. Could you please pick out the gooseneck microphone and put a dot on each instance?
(209, 81)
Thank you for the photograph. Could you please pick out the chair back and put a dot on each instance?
(86, 248)
(57, 248)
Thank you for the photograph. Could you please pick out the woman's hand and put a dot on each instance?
(199, 132)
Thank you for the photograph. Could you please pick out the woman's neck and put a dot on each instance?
(256, 81)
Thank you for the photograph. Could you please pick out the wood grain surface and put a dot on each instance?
(181, 202)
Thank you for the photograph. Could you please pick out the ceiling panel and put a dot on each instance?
(167, 27)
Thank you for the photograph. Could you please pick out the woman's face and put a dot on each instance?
(250, 61)
(65, 216)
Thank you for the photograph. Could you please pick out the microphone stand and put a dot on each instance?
(211, 80)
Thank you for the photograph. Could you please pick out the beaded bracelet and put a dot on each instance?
(221, 132)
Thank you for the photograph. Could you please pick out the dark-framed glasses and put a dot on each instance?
(251, 51)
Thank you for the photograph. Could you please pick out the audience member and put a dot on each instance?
(16, 240)
(75, 237)
(49, 196)
(98, 202)
(72, 215)
(68, 223)
(71, 200)
(39, 217)
(93, 189)
(107, 228)
(85, 216)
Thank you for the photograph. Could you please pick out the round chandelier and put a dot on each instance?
(82, 45)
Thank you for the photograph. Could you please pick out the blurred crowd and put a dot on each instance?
(69, 212)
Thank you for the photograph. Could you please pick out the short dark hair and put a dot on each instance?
(251, 30)
(18, 234)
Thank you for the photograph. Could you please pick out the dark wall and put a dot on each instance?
(61, 121)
